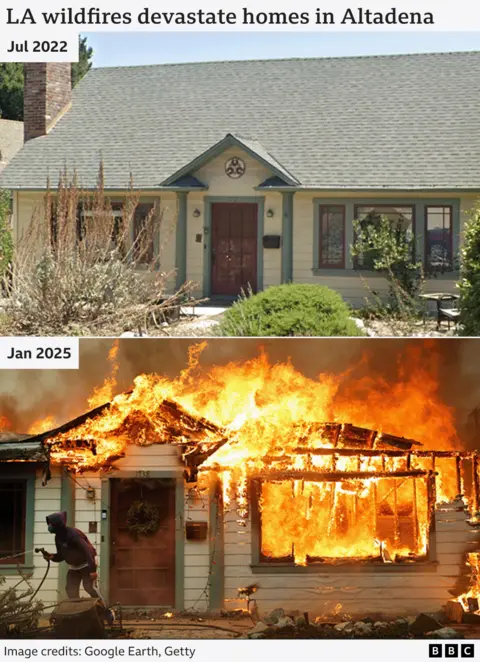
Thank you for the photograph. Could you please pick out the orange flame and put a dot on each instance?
(263, 411)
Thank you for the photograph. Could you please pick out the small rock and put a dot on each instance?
(274, 616)
(362, 628)
(256, 635)
(344, 627)
(367, 620)
(294, 614)
(259, 627)
(381, 626)
(285, 622)
(424, 623)
(445, 633)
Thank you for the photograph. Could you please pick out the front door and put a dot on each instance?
(142, 568)
(234, 248)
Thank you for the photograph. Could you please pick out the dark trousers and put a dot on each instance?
(75, 578)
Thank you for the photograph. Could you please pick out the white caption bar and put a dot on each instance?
(281, 650)
(29, 353)
(47, 31)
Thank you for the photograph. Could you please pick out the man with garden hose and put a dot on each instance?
(77, 551)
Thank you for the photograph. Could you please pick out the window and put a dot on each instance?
(438, 242)
(303, 523)
(107, 225)
(332, 236)
(143, 233)
(12, 520)
(402, 217)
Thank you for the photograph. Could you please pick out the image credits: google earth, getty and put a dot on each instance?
(255, 185)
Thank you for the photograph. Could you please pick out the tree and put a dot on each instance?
(6, 240)
(470, 277)
(11, 91)
(12, 79)
(84, 64)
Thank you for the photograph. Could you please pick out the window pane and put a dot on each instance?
(12, 519)
(143, 230)
(332, 236)
(401, 217)
(439, 238)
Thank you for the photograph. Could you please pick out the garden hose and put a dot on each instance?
(37, 551)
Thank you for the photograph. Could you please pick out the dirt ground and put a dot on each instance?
(188, 628)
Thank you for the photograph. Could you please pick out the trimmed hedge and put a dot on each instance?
(290, 310)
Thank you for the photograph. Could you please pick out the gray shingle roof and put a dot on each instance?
(11, 140)
(402, 121)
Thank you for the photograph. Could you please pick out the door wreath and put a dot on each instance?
(143, 519)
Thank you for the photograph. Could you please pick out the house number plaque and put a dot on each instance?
(143, 474)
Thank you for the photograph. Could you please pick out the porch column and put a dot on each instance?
(287, 236)
(181, 240)
(67, 505)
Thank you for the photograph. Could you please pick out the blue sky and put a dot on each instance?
(117, 49)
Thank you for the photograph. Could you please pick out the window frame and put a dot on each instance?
(259, 566)
(28, 476)
(410, 205)
(451, 268)
(321, 208)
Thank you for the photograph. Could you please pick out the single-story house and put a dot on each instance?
(341, 518)
(11, 140)
(261, 167)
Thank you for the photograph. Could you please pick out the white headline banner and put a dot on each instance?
(282, 650)
(28, 353)
(47, 30)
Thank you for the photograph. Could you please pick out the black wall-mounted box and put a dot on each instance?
(271, 241)
(196, 530)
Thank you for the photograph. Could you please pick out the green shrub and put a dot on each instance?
(290, 310)
(6, 242)
(470, 277)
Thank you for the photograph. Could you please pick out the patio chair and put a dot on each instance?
(447, 310)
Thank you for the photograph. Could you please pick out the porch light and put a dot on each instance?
(196, 213)
(270, 213)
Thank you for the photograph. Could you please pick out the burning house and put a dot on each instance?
(195, 488)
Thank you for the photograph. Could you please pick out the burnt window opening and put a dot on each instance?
(12, 521)
(346, 521)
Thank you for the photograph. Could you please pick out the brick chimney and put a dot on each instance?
(47, 94)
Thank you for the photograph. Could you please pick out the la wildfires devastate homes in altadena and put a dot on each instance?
(93, 16)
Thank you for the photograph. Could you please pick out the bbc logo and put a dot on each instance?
(451, 650)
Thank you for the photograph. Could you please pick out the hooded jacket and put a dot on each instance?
(72, 545)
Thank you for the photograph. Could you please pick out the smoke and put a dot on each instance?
(27, 396)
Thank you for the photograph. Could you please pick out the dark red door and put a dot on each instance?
(234, 248)
(142, 570)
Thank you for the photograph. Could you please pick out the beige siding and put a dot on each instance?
(352, 286)
(219, 184)
(47, 501)
(388, 593)
(153, 458)
(28, 207)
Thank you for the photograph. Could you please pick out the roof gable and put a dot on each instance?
(252, 147)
